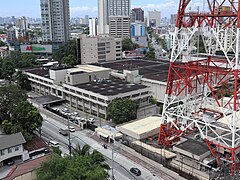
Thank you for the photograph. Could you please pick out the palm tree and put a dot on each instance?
(84, 151)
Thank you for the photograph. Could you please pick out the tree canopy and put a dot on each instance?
(127, 44)
(15, 60)
(16, 113)
(151, 53)
(68, 60)
(22, 80)
(83, 165)
(69, 48)
(122, 110)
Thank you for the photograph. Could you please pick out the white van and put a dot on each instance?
(53, 143)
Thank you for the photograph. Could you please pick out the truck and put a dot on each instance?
(64, 132)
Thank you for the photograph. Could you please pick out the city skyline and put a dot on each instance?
(81, 8)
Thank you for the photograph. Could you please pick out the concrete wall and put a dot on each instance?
(20, 152)
(58, 76)
(86, 77)
(145, 111)
(28, 176)
(158, 88)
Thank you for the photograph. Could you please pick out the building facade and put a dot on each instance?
(119, 26)
(97, 49)
(86, 87)
(103, 17)
(92, 26)
(55, 20)
(154, 18)
(119, 7)
(11, 147)
(137, 15)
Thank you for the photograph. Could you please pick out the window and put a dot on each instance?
(9, 150)
(2, 152)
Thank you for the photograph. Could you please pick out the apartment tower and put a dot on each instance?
(55, 20)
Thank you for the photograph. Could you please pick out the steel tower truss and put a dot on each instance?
(202, 94)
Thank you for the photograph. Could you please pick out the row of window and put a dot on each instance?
(9, 150)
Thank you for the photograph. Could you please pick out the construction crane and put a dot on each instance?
(203, 89)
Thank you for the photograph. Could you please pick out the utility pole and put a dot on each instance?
(69, 139)
(112, 163)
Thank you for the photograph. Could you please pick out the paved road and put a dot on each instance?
(50, 130)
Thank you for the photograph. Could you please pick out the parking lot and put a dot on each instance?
(79, 118)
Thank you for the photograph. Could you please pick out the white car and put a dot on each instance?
(91, 120)
(71, 128)
(65, 110)
(53, 143)
(75, 113)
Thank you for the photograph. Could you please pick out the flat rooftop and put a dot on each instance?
(155, 70)
(193, 146)
(110, 87)
(46, 99)
(142, 128)
(44, 72)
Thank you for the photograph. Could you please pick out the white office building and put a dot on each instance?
(103, 15)
(92, 26)
(154, 18)
(119, 7)
(86, 87)
(55, 20)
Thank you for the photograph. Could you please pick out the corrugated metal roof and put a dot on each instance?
(12, 140)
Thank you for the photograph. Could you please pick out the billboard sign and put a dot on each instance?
(36, 48)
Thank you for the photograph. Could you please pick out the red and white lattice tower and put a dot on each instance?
(203, 91)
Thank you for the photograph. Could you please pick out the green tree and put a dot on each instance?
(122, 110)
(65, 50)
(22, 80)
(2, 43)
(17, 114)
(127, 44)
(150, 54)
(56, 150)
(82, 166)
(9, 97)
(68, 60)
(7, 68)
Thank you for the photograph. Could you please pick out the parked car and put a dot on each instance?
(135, 171)
(10, 162)
(75, 113)
(65, 110)
(91, 120)
(71, 128)
(64, 132)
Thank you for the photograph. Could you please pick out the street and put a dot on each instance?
(121, 164)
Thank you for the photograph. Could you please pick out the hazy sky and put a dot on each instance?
(79, 8)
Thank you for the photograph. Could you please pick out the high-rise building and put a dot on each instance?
(21, 23)
(173, 19)
(87, 19)
(55, 20)
(154, 18)
(119, 26)
(119, 7)
(103, 17)
(119, 18)
(92, 26)
(96, 49)
(137, 15)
